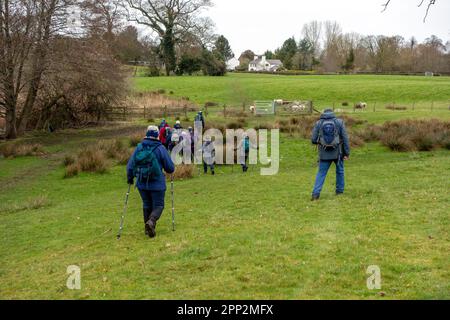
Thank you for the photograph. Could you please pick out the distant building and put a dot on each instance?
(260, 63)
(232, 64)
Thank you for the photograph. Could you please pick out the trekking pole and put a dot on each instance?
(119, 235)
(173, 206)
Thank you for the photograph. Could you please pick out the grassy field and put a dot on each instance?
(234, 89)
(238, 236)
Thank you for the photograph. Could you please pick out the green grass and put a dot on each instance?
(239, 236)
(234, 88)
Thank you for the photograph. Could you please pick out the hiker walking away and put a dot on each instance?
(244, 150)
(199, 118)
(146, 165)
(174, 140)
(178, 126)
(162, 124)
(209, 154)
(330, 135)
(192, 141)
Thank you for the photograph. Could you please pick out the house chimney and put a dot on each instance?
(263, 59)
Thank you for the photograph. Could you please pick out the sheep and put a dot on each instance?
(252, 109)
(278, 101)
(361, 105)
(298, 108)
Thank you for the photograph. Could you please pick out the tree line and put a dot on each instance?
(324, 47)
(62, 61)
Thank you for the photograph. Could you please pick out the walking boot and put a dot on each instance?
(151, 227)
(315, 197)
(147, 213)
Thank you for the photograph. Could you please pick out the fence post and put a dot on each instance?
(224, 111)
(243, 106)
(185, 112)
(334, 104)
(145, 113)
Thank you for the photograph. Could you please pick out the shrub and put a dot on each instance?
(91, 159)
(68, 160)
(72, 170)
(345, 104)
(211, 104)
(414, 135)
(12, 150)
(135, 139)
(183, 172)
(396, 108)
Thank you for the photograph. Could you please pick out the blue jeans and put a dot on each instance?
(324, 166)
(153, 201)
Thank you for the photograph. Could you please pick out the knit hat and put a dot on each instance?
(152, 132)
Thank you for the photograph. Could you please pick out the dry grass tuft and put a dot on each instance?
(183, 172)
(13, 150)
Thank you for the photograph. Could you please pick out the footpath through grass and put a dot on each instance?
(239, 236)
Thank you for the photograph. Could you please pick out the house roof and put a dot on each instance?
(272, 62)
(275, 62)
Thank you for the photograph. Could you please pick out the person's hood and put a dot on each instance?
(151, 142)
(328, 116)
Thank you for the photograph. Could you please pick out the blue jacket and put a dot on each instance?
(165, 163)
(344, 149)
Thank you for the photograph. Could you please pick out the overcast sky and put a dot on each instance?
(262, 24)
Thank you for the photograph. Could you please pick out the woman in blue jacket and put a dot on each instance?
(151, 185)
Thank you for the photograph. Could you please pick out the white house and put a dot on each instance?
(260, 63)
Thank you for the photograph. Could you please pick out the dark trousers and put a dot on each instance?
(205, 167)
(244, 165)
(153, 203)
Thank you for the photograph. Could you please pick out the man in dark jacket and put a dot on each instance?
(152, 191)
(330, 135)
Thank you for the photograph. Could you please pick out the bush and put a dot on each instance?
(91, 159)
(345, 104)
(72, 170)
(135, 139)
(211, 104)
(183, 172)
(410, 135)
(12, 150)
(68, 160)
(396, 108)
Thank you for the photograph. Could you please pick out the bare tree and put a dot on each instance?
(171, 20)
(430, 3)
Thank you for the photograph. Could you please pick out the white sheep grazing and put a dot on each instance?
(299, 108)
(339, 111)
(252, 109)
(279, 101)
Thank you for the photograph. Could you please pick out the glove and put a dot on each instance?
(131, 181)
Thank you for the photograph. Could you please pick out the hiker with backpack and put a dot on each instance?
(244, 151)
(146, 165)
(209, 155)
(330, 135)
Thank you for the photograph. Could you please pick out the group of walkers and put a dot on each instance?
(152, 157)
